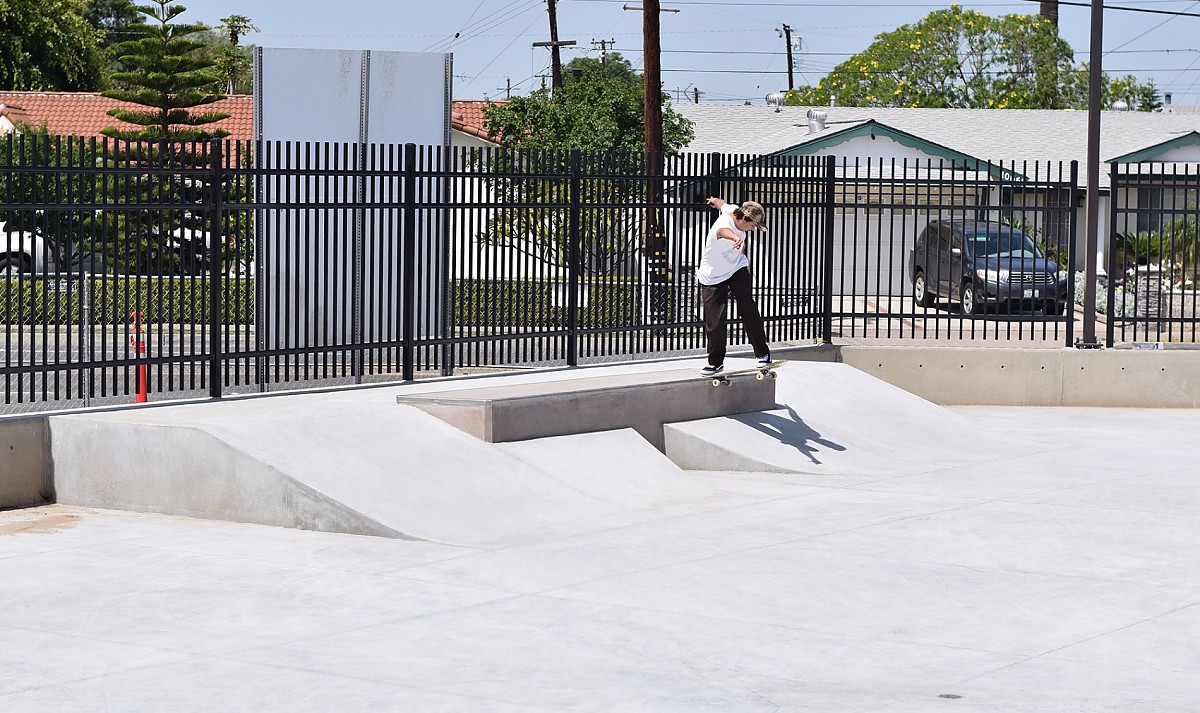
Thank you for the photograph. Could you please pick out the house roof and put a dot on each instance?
(85, 113)
(466, 115)
(993, 135)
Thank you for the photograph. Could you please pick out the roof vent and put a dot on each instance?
(816, 120)
(1120, 105)
(775, 99)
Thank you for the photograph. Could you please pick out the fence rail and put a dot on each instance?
(274, 266)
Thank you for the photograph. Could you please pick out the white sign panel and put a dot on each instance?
(332, 264)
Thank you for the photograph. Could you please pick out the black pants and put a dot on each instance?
(716, 301)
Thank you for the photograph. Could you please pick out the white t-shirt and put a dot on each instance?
(720, 259)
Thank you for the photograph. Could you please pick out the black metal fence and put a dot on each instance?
(173, 271)
(1153, 267)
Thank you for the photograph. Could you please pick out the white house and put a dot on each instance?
(1010, 144)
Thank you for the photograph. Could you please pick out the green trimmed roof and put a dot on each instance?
(1147, 154)
(873, 128)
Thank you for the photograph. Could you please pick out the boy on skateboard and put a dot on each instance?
(725, 270)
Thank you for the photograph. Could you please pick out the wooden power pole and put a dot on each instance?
(1049, 10)
(787, 35)
(657, 259)
(554, 44)
(555, 57)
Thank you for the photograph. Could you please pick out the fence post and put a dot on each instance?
(1110, 326)
(714, 175)
(216, 268)
(573, 259)
(1072, 250)
(827, 256)
(408, 279)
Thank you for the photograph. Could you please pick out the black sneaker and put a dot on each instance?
(764, 360)
(710, 370)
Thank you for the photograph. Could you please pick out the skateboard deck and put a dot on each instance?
(766, 371)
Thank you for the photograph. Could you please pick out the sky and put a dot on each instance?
(732, 52)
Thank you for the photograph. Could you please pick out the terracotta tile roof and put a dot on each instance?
(466, 116)
(83, 113)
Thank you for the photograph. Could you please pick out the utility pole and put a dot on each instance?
(657, 257)
(652, 76)
(555, 57)
(507, 88)
(786, 32)
(604, 45)
(696, 94)
(554, 44)
(1049, 10)
(1092, 199)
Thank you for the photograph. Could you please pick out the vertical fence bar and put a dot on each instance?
(827, 257)
(408, 282)
(1072, 215)
(573, 259)
(1114, 184)
(216, 356)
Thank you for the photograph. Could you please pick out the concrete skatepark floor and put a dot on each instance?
(1063, 576)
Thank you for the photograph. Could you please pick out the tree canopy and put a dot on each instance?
(599, 107)
(958, 58)
(167, 75)
(48, 46)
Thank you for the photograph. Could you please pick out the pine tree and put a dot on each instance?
(164, 73)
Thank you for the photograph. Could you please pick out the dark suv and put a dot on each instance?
(982, 264)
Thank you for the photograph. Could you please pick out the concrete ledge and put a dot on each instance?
(24, 462)
(1036, 377)
(641, 401)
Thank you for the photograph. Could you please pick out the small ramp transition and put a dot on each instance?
(834, 419)
(358, 463)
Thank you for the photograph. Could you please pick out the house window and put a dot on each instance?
(1157, 207)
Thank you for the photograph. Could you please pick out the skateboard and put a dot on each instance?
(766, 371)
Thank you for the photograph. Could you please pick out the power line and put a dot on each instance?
(1013, 3)
(851, 54)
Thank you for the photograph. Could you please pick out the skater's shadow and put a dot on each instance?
(790, 430)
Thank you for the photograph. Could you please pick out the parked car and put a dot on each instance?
(985, 264)
(28, 253)
(22, 252)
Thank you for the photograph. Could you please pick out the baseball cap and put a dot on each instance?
(754, 213)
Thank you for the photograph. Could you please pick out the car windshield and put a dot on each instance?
(1002, 242)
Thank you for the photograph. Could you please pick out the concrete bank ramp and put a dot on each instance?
(834, 419)
(359, 463)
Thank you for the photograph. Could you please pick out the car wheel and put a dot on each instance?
(970, 301)
(921, 293)
(13, 266)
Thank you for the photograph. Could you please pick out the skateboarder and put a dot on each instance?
(724, 270)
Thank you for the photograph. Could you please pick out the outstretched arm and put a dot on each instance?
(727, 234)
(715, 202)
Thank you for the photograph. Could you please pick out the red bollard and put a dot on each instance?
(137, 340)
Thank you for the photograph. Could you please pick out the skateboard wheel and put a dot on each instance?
(716, 382)
(760, 376)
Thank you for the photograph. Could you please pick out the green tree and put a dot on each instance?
(233, 60)
(166, 75)
(957, 58)
(1137, 95)
(112, 18)
(598, 109)
(47, 45)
